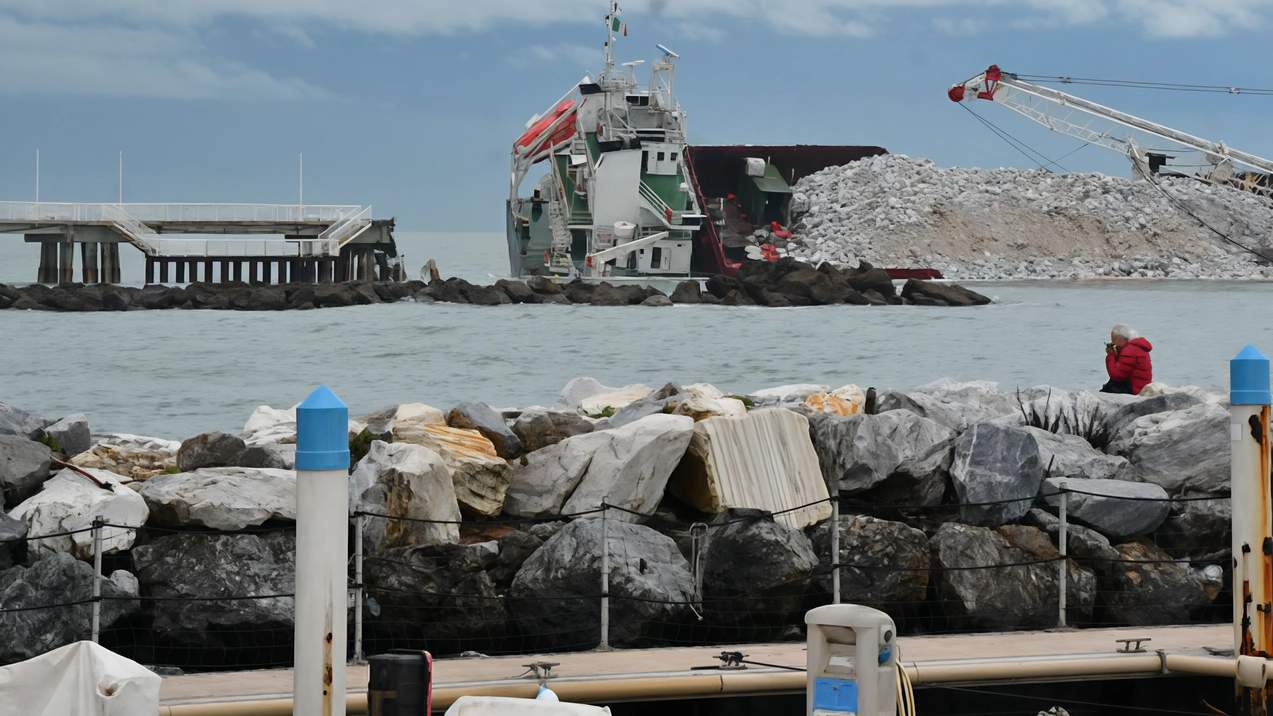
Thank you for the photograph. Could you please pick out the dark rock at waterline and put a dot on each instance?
(208, 566)
(543, 285)
(441, 594)
(24, 466)
(58, 578)
(607, 295)
(13, 546)
(554, 600)
(483, 418)
(948, 293)
(519, 292)
(755, 573)
(579, 291)
(539, 429)
(15, 421)
(215, 449)
(685, 292)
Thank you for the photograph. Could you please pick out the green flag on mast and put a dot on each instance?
(615, 25)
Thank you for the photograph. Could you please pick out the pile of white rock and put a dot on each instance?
(892, 210)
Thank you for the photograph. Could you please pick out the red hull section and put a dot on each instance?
(923, 274)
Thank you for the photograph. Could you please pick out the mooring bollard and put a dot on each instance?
(322, 546)
(1252, 521)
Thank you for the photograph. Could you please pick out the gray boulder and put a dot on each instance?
(215, 449)
(578, 390)
(755, 574)
(632, 468)
(24, 466)
(404, 481)
(554, 592)
(14, 421)
(1146, 588)
(483, 418)
(1119, 421)
(996, 598)
(207, 566)
(955, 415)
(59, 579)
(441, 594)
(537, 429)
(1080, 582)
(275, 457)
(858, 452)
(72, 433)
(1200, 524)
(1064, 455)
(514, 549)
(13, 546)
(1121, 510)
(1082, 542)
(996, 473)
(220, 498)
(919, 480)
(887, 563)
(543, 480)
(1180, 449)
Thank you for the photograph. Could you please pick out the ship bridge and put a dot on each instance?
(305, 242)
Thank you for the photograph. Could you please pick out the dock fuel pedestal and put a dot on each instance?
(852, 661)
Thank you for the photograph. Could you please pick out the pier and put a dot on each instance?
(643, 675)
(255, 243)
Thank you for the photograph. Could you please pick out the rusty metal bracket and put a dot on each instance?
(1133, 645)
(541, 670)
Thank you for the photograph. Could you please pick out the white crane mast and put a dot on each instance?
(1095, 123)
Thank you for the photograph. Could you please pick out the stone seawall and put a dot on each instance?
(482, 527)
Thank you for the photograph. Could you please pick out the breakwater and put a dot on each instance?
(784, 283)
(482, 529)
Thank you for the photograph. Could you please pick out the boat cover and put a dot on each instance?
(80, 679)
(504, 706)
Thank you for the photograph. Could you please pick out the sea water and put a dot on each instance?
(177, 373)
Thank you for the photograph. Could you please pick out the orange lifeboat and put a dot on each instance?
(564, 132)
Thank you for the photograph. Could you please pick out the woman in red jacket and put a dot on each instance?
(1127, 361)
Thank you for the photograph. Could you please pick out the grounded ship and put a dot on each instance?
(625, 197)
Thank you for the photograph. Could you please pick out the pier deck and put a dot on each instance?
(654, 674)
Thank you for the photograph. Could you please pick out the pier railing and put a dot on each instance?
(466, 597)
(178, 213)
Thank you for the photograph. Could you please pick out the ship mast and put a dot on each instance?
(614, 12)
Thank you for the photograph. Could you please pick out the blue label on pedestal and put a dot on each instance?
(835, 695)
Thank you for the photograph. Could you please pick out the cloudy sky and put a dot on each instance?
(411, 105)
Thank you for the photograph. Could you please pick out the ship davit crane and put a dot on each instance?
(1097, 124)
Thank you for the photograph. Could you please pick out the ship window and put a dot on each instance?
(660, 157)
(645, 161)
(673, 157)
(656, 257)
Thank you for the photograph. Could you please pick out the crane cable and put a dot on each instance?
(1015, 143)
(1181, 206)
(1135, 84)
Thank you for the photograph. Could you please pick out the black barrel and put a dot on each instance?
(401, 683)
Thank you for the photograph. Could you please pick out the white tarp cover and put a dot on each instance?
(504, 706)
(80, 679)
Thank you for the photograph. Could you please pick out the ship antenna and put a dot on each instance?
(614, 10)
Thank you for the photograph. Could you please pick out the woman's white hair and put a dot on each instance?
(1123, 330)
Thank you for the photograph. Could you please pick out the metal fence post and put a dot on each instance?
(97, 578)
(835, 547)
(359, 596)
(1063, 541)
(605, 581)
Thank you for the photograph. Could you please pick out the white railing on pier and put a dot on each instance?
(187, 213)
(337, 235)
(137, 233)
(226, 248)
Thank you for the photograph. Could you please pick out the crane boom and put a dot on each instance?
(1057, 111)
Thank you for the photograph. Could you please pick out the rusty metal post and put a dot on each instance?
(1249, 400)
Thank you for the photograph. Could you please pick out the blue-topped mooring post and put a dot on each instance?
(322, 546)
(1249, 400)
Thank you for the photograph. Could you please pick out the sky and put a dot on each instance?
(412, 105)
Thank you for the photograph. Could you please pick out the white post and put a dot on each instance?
(358, 589)
(301, 199)
(121, 177)
(605, 581)
(1063, 538)
(835, 547)
(97, 578)
(1252, 515)
(37, 177)
(322, 549)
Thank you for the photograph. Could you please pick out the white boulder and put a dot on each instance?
(404, 480)
(221, 498)
(631, 469)
(69, 502)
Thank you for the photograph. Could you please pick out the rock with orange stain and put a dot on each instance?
(404, 480)
(480, 476)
